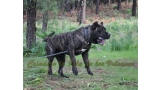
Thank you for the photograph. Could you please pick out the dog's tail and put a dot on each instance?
(50, 35)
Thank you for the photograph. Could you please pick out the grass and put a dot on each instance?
(105, 76)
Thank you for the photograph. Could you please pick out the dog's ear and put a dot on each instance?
(95, 25)
(101, 23)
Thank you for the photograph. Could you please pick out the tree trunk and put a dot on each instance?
(45, 21)
(83, 11)
(63, 16)
(79, 17)
(109, 2)
(62, 4)
(63, 7)
(113, 1)
(76, 4)
(126, 2)
(31, 24)
(68, 5)
(24, 12)
(134, 5)
(92, 9)
(73, 5)
(97, 7)
(119, 5)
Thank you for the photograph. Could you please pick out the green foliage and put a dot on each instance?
(41, 34)
(26, 51)
(46, 4)
(38, 50)
(34, 76)
(129, 11)
(121, 44)
(124, 35)
(34, 50)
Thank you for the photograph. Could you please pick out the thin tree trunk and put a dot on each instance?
(76, 4)
(63, 7)
(68, 5)
(24, 12)
(113, 1)
(134, 5)
(31, 24)
(92, 10)
(73, 5)
(126, 2)
(79, 17)
(80, 12)
(109, 2)
(63, 16)
(45, 21)
(62, 4)
(119, 5)
(97, 7)
(83, 11)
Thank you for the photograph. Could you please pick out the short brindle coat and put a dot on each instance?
(75, 42)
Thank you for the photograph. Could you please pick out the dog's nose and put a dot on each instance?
(109, 34)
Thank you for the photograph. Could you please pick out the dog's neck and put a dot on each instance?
(87, 34)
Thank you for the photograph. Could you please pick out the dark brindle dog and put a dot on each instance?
(75, 43)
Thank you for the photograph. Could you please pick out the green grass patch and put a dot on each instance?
(105, 76)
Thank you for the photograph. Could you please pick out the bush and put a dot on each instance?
(123, 35)
(121, 44)
(38, 50)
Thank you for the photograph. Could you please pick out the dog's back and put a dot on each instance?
(74, 39)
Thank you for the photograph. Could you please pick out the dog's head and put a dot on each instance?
(99, 33)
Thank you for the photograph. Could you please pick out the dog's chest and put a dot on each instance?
(83, 50)
(80, 51)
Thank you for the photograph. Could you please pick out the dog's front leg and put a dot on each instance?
(85, 59)
(73, 60)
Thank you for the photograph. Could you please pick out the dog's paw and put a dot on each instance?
(74, 69)
(62, 75)
(75, 72)
(90, 73)
(49, 72)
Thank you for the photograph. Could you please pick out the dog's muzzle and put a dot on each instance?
(101, 40)
(109, 36)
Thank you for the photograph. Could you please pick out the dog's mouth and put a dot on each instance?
(101, 41)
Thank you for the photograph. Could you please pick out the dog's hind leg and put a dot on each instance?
(49, 51)
(61, 62)
(50, 60)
